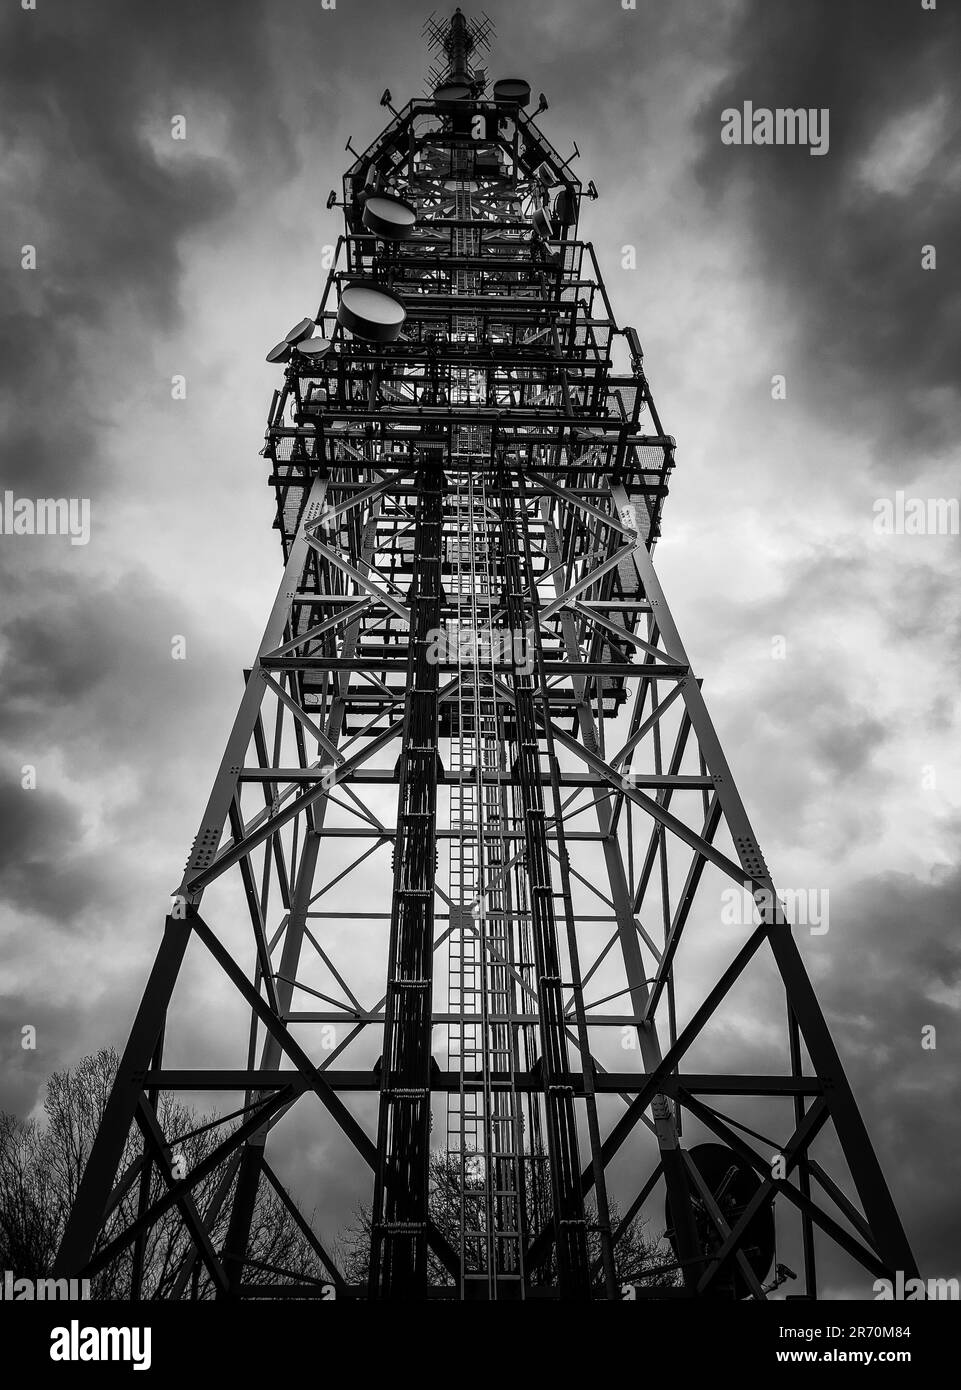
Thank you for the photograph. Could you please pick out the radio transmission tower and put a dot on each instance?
(462, 866)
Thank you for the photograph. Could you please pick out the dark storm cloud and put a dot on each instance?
(811, 722)
(87, 93)
(850, 743)
(95, 658)
(877, 336)
(24, 1071)
(100, 658)
(95, 182)
(888, 942)
(38, 871)
(100, 643)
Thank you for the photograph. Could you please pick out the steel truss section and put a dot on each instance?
(468, 841)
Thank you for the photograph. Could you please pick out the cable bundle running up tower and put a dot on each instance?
(461, 868)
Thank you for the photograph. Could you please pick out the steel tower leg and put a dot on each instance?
(90, 1206)
(872, 1189)
(398, 1265)
(665, 1127)
(570, 1227)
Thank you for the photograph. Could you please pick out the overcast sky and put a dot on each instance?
(157, 257)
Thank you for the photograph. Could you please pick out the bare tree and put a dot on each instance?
(40, 1169)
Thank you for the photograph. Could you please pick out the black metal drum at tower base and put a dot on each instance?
(732, 1182)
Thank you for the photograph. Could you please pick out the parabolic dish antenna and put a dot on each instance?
(513, 90)
(300, 330)
(452, 91)
(369, 312)
(314, 347)
(732, 1183)
(388, 217)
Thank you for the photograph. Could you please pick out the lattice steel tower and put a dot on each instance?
(473, 810)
